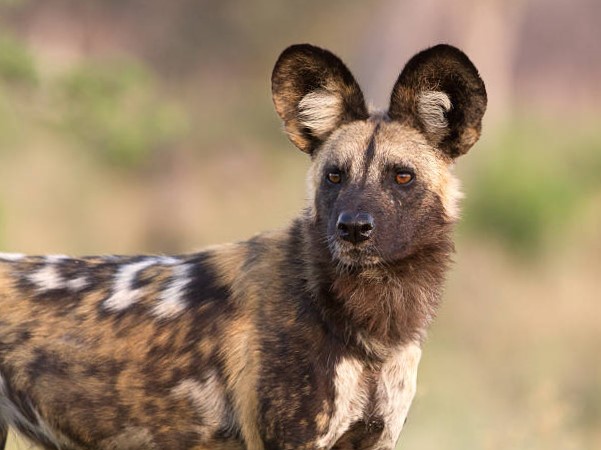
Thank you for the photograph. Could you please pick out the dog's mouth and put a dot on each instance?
(351, 256)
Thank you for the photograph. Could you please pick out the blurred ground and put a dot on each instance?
(147, 126)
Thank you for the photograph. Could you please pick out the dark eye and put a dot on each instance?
(334, 177)
(403, 177)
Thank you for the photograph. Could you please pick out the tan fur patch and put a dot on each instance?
(451, 195)
(345, 148)
(242, 363)
(240, 347)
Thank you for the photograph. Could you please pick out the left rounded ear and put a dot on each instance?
(440, 93)
(314, 93)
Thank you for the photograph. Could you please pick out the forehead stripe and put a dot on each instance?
(370, 152)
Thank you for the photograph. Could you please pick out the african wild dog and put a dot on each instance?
(305, 338)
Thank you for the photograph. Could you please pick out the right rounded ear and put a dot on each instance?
(440, 93)
(314, 93)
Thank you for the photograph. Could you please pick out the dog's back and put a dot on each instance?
(306, 338)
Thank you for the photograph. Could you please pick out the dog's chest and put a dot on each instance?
(370, 407)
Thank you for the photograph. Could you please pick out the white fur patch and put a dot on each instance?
(395, 392)
(349, 403)
(11, 256)
(319, 111)
(123, 294)
(55, 258)
(167, 260)
(77, 284)
(47, 278)
(208, 398)
(432, 106)
(172, 300)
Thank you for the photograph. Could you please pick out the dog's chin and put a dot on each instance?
(351, 257)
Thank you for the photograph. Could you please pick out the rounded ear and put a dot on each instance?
(314, 93)
(440, 93)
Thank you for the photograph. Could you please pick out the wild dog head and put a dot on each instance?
(381, 184)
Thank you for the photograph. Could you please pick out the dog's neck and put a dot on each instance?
(378, 307)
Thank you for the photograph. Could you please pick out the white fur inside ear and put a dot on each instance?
(320, 112)
(432, 106)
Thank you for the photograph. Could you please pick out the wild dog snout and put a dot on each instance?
(355, 228)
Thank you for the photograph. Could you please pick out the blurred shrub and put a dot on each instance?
(16, 64)
(536, 179)
(115, 111)
(17, 74)
(18, 80)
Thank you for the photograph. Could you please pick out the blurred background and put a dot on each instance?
(131, 126)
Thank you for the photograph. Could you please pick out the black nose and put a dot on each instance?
(355, 228)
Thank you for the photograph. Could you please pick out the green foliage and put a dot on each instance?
(16, 64)
(113, 110)
(18, 79)
(534, 182)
